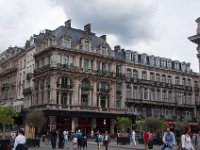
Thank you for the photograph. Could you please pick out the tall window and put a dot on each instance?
(128, 73)
(118, 88)
(85, 84)
(152, 76)
(177, 80)
(144, 75)
(164, 78)
(169, 79)
(135, 93)
(104, 51)
(135, 74)
(129, 94)
(66, 43)
(64, 98)
(118, 70)
(146, 93)
(118, 104)
(157, 77)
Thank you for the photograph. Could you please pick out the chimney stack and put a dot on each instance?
(68, 23)
(117, 48)
(103, 37)
(87, 28)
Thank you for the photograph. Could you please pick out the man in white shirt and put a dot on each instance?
(132, 138)
(20, 140)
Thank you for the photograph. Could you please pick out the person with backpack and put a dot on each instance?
(196, 139)
(99, 140)
(168, 140)
(146, 138)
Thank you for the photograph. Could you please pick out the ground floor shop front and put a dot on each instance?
(86, 121)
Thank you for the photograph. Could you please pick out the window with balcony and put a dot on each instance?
(152, 94)
(177, 80)
(129, 94)
(151, 60)
(163, 63)
(169, 64)
(118, 70)
(64, 98)
(104, 67)
(164, 78)
(157, 77)
(128, 56)
(85, 85)
(118, 88)
(135, 93)
(164, 96)
(118, 104)
(169, 79)
(152, 76)
(128, 73)
(135, 74)
(183, 81)
(189, 82)
(144, 75)
(146, 93)
(157, 62)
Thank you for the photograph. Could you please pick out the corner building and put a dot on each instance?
(78, 82)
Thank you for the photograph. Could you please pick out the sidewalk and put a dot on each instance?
(113, 143)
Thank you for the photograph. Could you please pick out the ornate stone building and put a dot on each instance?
(80, 82)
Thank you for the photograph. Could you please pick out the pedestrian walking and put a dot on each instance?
(132, 138)
(79, 138)
(106, 139)
(196, 139)
(84, 141)
(168, 140)
(20, 141)
(66, 139)
(146, 138)
(53, 137)
(99, 140)
(186, 142)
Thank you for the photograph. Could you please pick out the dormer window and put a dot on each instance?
(163, 63)
(66, 43)
(169, 64)
(104, 51)
(87, 46)
(157, 62)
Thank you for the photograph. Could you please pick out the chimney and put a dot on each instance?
(87, 28)
(68, 23)
(103, 37)
(117, 48)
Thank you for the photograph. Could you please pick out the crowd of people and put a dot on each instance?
(78, 140)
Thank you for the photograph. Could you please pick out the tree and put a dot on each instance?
(154, 124)
(123, 123)
(35, 119)
(179, 126)
(7, 115)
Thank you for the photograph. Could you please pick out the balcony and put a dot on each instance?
(103, 90)
(5, 86)
(85, 88)
(27, 91)
(62, 86)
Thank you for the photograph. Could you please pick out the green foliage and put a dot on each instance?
(35, 118)
(152, 123)
(123, 123)
(179, 126)
(7, 114)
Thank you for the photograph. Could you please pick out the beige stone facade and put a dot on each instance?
(80, 82)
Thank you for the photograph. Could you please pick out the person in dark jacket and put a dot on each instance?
(53, 137)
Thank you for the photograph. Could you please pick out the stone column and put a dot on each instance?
(53, 90)
(52, 122)
(74, 123)
(94, 94)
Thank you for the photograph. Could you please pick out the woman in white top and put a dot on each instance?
(186, 140)
(20, 140)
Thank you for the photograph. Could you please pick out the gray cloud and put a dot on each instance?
(130, 21)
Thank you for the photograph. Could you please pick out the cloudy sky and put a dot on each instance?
(155, 27)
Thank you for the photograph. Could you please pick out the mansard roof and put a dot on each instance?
(75, 34)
